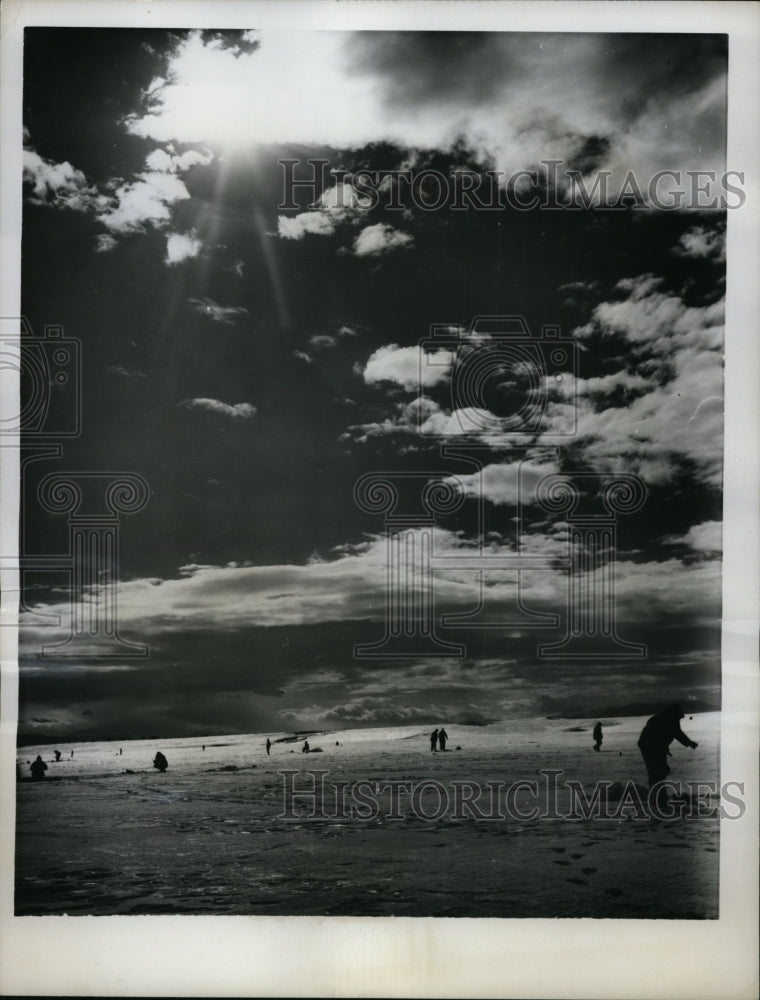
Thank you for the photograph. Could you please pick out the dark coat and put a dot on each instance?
(38, 768)
(662, 729)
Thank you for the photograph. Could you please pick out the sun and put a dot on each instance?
(294, 87)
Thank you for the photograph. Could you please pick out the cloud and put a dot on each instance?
(343, 202)
(405, 418)
(379, 239)
(327, 341)
(658, 415)
(517, 98)
(59, 184)
(104, 243)
(659, 320)
(323, 342)
(579, 287)
(338, 204)
(425, 417)
(123, 372)
(702, 242)
(408, 367)
(181, 246)
(351, 587)
(123, 207)
(295, 228)
(236, 411)
(678, 416)
(601, 385)
(219, 314)
(660, 431)
(164, 162)
(507, 482)
(705, 538)
(146, 200)
(69, 669)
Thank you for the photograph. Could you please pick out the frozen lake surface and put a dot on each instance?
(105, 833)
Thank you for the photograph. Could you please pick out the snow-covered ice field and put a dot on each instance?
(105, 833)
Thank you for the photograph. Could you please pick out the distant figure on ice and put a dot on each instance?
(434, 740)
(656, 737)
(72, 753)
(38, 768)
(269, 746)
(160, 762)
(57, 755)
(442, 737)
(120, 751)
(305, 747)
(598, 736)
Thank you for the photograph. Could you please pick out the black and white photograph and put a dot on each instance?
(366, 388)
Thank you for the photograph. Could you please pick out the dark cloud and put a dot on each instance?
(428, 68)
(591, 154)
(289, 679)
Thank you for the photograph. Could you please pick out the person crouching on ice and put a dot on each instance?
(160, 762)
(38, 768)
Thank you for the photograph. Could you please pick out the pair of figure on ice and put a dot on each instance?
(439, 737)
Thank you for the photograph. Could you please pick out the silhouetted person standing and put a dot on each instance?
(38, 768)
(160, 762)
(442, 737)
(656, 737)
(305, 747)
(434, 740)
(57, 755)
(269, 746)
(598, 736)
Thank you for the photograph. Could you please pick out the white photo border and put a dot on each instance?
(336, 956)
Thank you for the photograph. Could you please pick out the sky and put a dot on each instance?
(252, 362)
